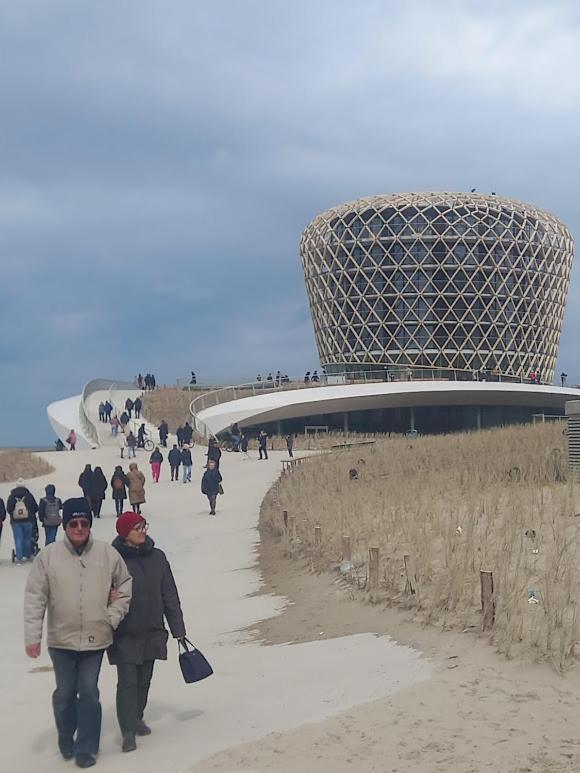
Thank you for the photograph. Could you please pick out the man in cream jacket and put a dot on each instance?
(71, 580)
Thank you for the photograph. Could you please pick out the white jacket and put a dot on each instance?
(75, 590)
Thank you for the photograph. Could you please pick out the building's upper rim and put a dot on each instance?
(492, 202)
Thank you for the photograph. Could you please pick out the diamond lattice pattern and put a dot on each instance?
(462, 281)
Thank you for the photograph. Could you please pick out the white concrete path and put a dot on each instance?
(255, 690)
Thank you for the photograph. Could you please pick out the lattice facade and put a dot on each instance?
(442, 280)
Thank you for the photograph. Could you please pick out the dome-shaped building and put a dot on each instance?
(461, 281)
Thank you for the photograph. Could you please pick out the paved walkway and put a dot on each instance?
(256, 689)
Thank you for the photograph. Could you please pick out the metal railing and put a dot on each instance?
(225, 394)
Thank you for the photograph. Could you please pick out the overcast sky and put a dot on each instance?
(159, 160)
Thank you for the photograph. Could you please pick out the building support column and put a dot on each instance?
(345, 422)
(279, 428)
(411, 418)
(478, 416)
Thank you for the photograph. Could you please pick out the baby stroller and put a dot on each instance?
(35, 548)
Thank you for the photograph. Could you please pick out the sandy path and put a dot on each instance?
(257, 690)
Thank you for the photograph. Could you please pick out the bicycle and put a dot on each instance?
(148, 445)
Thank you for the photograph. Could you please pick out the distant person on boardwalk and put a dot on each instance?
(290, 444)
(156, 460)
(124, 420)
(115, 423)
(269, 377)
(147, 381)
(211, 484)
(22, 509)
(136, 487)
(174, 458)
(263, 444)
(163, 433)
(2, 516)
(307, 377)
(49, 509)
(563, 377)
(123, 445)
(259, 378)
(187, 433)
(214, 452)
(193, 379)
(137, 405)
(141, 434)
(244, 445)
(315, 378)
(72, 579)
(129, 405)
(141, 638)
(72, 440)
(86, 484)
(131, 446)
(108, 410)
(179, 436)
(101, 411)
(119, 483)
(140, 381)
(187, 463)
(98, 489)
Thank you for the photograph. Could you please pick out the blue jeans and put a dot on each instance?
(76, 699)
(114, 430)
(131, 453)
(186, 473)
(50, 534)
(22, 539)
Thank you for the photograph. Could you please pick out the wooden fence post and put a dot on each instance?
(285, 518)
(373, 572)
(410, 574)
(317, 537)
(346, 548)
(292, 527)
(487, 600)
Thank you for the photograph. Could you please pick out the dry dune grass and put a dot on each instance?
(496, 501)
(167, 403)
(21, 464)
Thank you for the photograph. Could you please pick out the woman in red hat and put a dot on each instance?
(141, 639)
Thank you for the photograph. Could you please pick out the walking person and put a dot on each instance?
(122, 442)
(86, 484)
(179, 436)
(289, 444)
(211, 485)
(187, 463)
(141, 434)
(214, 452)
(72, 440)
(119, 483)
(174, 459)
(263, 444)
(115, 423)
(22, 508)
(155, 460)
(72, 579)
(141, 638)
(129, 404)
(131, 446)
(124, 419)
(2, 516)
(244, 445)
(98, 488)
(187, 434)
(163, 433)
(137, 405)
(136, 487)
(49, 509)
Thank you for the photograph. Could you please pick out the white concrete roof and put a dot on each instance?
(294, 403)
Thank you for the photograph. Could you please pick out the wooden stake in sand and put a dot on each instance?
(411, 575)
(487, 601)
(285, 518)
(317, 537)
(373, 572)
(292, 527)
(346, 548)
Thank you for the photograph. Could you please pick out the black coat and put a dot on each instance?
(214, 452)
(86, 482)
(163, 430)
(98, 487)
(121, 493)
(210, 483)
(156, 456)
(174, 457)
(21, 492)
(2, 512)
(142, 635)
(186, 456)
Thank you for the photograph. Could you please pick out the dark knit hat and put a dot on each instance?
(128, 521)
(76, 507)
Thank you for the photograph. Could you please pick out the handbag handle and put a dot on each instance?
(183, 642)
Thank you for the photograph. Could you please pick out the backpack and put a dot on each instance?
(52, 512)
(20, 510)
(118, 484)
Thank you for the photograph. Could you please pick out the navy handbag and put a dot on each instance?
(193, 664)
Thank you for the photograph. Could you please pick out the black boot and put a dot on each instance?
(129, 743)
(142, 728)
(85, 761)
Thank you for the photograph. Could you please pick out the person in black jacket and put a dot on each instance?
(174, 458)
(211, 484)
(156, 460)
(137, 405)
(187, 433)
(187, 463)
(98, 487)
(86, 484)
(2, 516)
(49, 516)
(129, 406)
(141, 638)
(22, 508)
(163, 432)
(119, 483)
(214, 452)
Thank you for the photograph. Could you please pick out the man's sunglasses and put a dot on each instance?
(79, 523)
